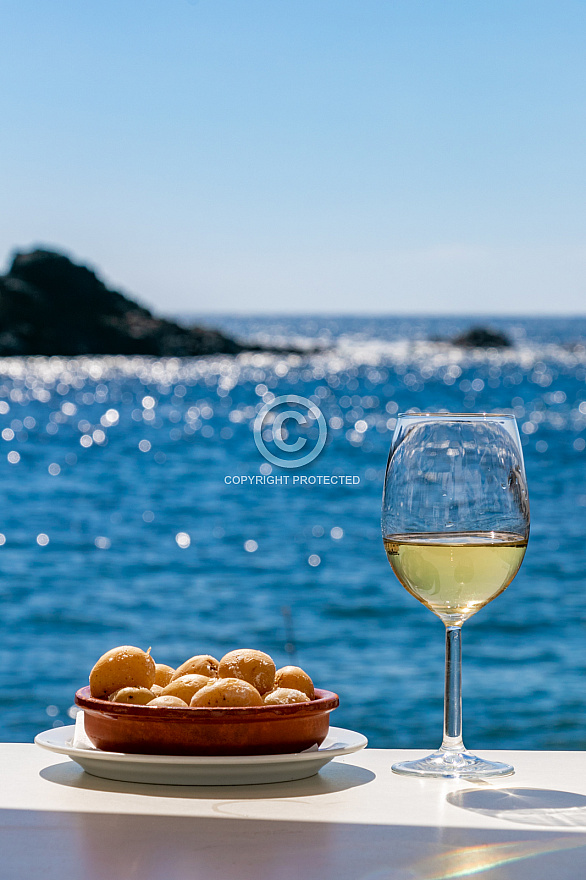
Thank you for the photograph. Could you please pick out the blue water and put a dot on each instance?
(118, 527)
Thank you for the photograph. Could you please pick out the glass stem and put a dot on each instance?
(453, 693)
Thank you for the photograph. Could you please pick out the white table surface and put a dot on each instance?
(355, 820)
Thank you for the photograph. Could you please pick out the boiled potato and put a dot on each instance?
(294, 677)
(226, 692)
(281, 696)
(156, 689)
(201, 664)
(121, 667)
(255, 667)
(185, 687)
(163, 674)
(140, 696)
(166, 701)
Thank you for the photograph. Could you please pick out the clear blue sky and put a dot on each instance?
(302, 155)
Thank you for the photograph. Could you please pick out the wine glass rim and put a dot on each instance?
(448, 415)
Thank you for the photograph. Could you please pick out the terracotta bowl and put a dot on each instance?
(257, 730)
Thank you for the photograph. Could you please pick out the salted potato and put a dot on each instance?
(255, 667)
(121, 667)
(163, 674)
(166, 701)
(294, 677)
(201, 664)
(222, 692)
(185, 687)
(139, 696)
(281, 696)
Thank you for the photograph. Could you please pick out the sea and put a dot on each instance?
(146, 502)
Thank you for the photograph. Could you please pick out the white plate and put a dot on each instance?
(199, 769)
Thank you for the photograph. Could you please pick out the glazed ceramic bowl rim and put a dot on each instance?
(325, 701)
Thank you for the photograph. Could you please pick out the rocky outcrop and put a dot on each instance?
(51, 306)
(482, 337)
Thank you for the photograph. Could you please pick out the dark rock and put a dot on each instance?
(51, 306)
(482, 337)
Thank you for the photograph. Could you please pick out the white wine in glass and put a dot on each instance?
(455, 528)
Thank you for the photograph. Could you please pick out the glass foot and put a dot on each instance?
(452, 764)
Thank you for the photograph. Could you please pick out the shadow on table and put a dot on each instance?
(38, 845)
(335, 777)
(530, 806)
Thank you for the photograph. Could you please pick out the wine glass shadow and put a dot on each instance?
(527, 806)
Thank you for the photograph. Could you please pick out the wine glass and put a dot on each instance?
(455, 524)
